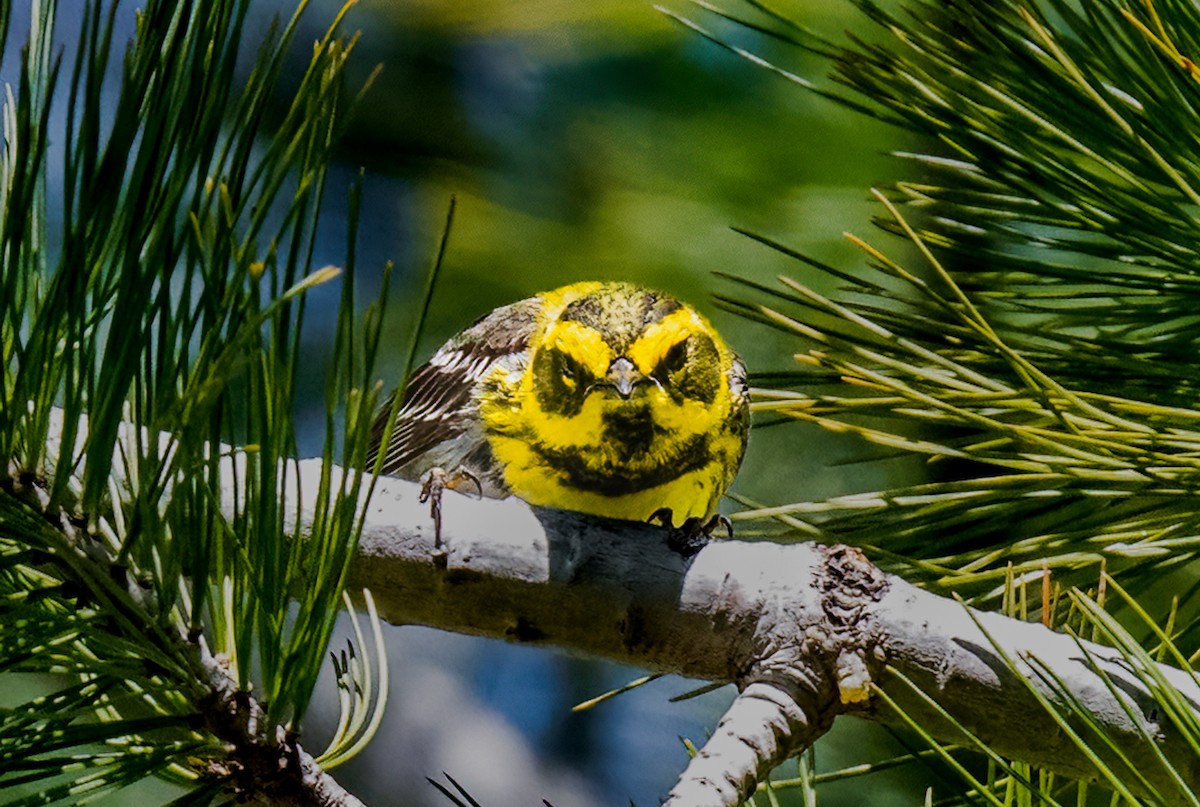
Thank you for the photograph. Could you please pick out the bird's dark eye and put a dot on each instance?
(675, 358)
(568, 367)
(560, 381)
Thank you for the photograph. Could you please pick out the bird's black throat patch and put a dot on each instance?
(580, 470)
(630, 430)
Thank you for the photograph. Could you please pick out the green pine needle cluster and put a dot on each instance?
(147, 323)
(1042, 331)
(1034, 335)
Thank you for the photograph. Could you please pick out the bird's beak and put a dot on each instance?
(623, 376)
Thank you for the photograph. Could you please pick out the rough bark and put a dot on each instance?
(263, 770)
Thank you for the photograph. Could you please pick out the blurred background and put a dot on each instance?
(596, 140)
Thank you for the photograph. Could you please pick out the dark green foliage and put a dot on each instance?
(165, 298)
(1037, 343)
(1047, 343)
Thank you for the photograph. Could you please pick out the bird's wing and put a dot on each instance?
(440, 403)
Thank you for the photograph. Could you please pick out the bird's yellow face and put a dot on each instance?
(628, 404)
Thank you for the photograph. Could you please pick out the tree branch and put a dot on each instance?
(806, 632)
(276, 771)
(263, 764)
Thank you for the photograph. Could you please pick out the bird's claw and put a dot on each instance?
(694, 534)
(435, 482)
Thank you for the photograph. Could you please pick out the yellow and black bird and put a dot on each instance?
(599, 397)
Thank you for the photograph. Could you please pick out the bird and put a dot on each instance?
(599, 397)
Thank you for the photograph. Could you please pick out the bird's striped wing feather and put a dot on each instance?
(440, 404)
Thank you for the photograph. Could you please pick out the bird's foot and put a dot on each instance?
(694, 534)
(434, 483)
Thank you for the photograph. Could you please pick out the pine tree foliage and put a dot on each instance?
(1036, 324)
(1045, 331)
(165, 295)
